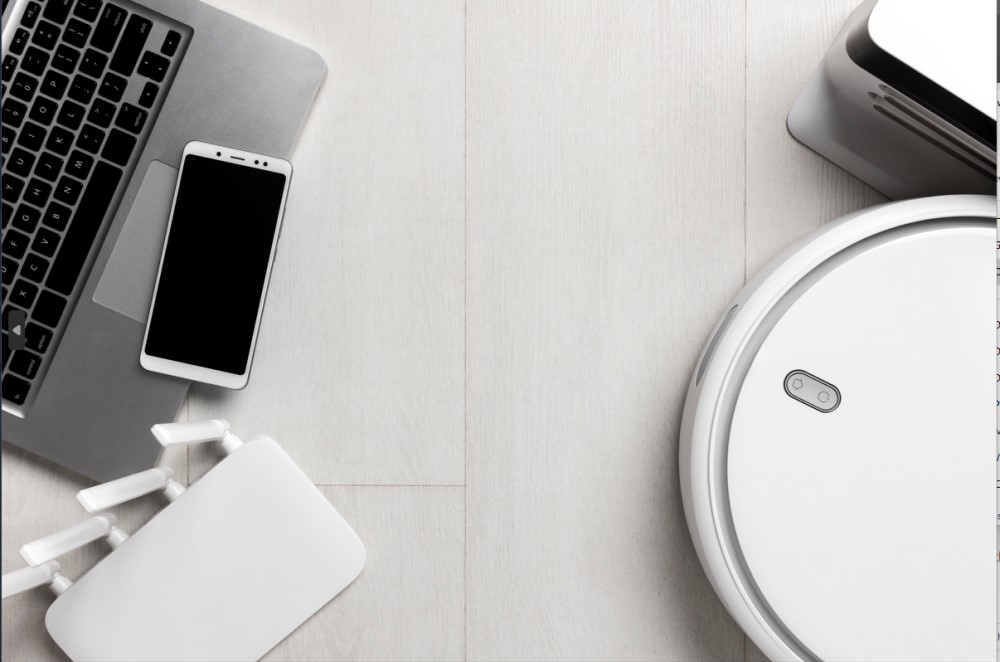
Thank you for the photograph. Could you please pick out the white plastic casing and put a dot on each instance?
(894, 142)
(28, 578)
(56, 544)
(856, 534)
(942, 40)
(229, 569)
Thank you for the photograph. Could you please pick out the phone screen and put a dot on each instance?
(215, 264)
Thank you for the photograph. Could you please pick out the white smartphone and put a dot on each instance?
(215, 266)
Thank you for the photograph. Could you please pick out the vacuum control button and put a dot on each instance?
(813, 391)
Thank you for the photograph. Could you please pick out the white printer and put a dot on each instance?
(905, 99)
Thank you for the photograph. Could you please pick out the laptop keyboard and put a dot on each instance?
(82, 82)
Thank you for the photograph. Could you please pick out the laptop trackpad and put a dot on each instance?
(126, 286)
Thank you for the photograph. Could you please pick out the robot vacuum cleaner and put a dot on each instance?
(837, 442)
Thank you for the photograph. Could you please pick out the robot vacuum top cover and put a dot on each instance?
(836, 447)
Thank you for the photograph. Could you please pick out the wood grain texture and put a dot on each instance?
(605, 235)
(359, 365)
(751, 653)
(791, 190)
(409, 602)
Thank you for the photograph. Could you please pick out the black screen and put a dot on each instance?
(216, 260)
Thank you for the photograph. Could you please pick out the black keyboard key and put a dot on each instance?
(30, 14)
(83, 230)
(108, 28)
(19, 41)
(66, 58)
(6, 212)
(37, 338)
(71, 114)
(24, 86)
(44, 110)
(129, 48)
(15, 389)
(93, 63)
(14, 244)
(34, 268)
(90, 138)
(6, 349)
(170, 43)
(82, 89)
(48, 166)
(35, 61)
(26, 218)
(37, 192)
(12, 187)
(23, 294)
(7, 269)
(54, 85)
(113, 87)
(45, 242)
(56, 216)
(148, 96)
(46, 35)
(9, 65)
(57, 10)
(68, 190)
(79, 165)
(101, 113)
(131, 118)
(59, 141)
(76, 33)
(8, 138)
(119, 147)
(153, 66)
(88, 10)
(25, 363)
(20, 162)
(32, 136)
(49, 309)
(13, 112)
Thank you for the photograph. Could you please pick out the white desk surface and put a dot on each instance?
(511, 228)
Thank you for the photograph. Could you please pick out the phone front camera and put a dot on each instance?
(256, 162)
(218, 153)
(265, 164)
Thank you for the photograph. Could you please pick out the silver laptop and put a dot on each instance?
(99, 99)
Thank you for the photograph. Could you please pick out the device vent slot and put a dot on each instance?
(713, 343)
(903, 112)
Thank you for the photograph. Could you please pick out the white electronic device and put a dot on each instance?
(228, 569)
(222, 236)
(905, 98)
(837, 441)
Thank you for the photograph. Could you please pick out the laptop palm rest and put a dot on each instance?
(126, 286)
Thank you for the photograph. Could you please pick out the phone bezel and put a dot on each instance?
(188, 370)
